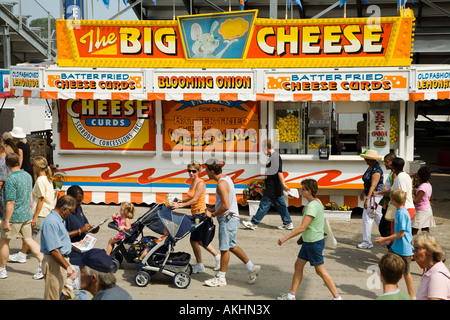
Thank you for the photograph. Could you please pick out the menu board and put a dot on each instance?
(211, 125)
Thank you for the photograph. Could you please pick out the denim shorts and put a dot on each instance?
(312, 252)
(227, 233)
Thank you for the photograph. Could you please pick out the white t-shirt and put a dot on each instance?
(43, 188)
(404, 182)
(232, 202)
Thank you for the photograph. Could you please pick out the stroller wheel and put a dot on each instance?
(142, 278)
(182, 280)
(119, 257)
(115, 265)
(189, 269)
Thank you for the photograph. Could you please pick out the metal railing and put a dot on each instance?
(22, 23)
(50, 33)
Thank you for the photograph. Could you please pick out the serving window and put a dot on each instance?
(290, 126)
(346, 128)
(303, 127)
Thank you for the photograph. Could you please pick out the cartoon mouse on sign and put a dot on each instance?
(205, 44)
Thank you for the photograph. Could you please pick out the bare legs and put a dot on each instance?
(321, 272)
(198, 253)
(4, 250)
(225, 257)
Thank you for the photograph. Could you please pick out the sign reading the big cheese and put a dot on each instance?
(215, 40)
(321, 41)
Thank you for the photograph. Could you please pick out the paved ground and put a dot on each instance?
(351, 268)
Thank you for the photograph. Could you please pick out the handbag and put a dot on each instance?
(390, 213)
(209, 229)
(373, 208)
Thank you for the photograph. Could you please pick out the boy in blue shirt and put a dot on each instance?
(402, 236)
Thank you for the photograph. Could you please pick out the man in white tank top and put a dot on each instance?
(227, 213)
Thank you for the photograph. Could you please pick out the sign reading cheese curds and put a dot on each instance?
(107, 125)
(215, 40)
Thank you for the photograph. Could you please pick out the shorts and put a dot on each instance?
(18, 230)
(406, 259)
(227, 233)
(37, 228)
(120, 236)
(312, 252)
(197, 234)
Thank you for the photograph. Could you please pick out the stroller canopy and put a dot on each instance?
(176, 225)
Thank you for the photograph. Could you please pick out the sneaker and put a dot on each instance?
(18, 257)
(198, 268)
(365, 245)
(217, 266)
(288, 226)
(38, 275)
(254, 274)
(3, 273)
(216, 282)
(286, 296)
(250, 225)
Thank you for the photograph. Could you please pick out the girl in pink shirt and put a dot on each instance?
(123, 222)
(423, 220)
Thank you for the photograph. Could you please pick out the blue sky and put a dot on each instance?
(30, 7)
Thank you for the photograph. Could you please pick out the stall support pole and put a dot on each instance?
(159, 130)
(402, 131)
(409, 152)
(6, 43)
(273, 9)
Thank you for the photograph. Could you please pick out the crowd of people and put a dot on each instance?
(29, 208)
(400, 213)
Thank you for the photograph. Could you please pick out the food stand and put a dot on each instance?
(135, 101)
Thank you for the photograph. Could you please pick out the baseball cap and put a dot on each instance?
(96, 259)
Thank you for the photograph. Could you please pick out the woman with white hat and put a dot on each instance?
(24, 150)
(373, 181)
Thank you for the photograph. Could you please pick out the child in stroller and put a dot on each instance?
(146, 243)
(160, 256)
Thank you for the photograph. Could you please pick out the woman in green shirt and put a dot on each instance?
(312, 241)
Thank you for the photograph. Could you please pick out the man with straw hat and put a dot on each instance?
(373, 181)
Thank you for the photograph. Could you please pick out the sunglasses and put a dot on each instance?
(192, 171)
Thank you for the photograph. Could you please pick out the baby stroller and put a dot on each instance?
(161, 257)
(129, 248)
